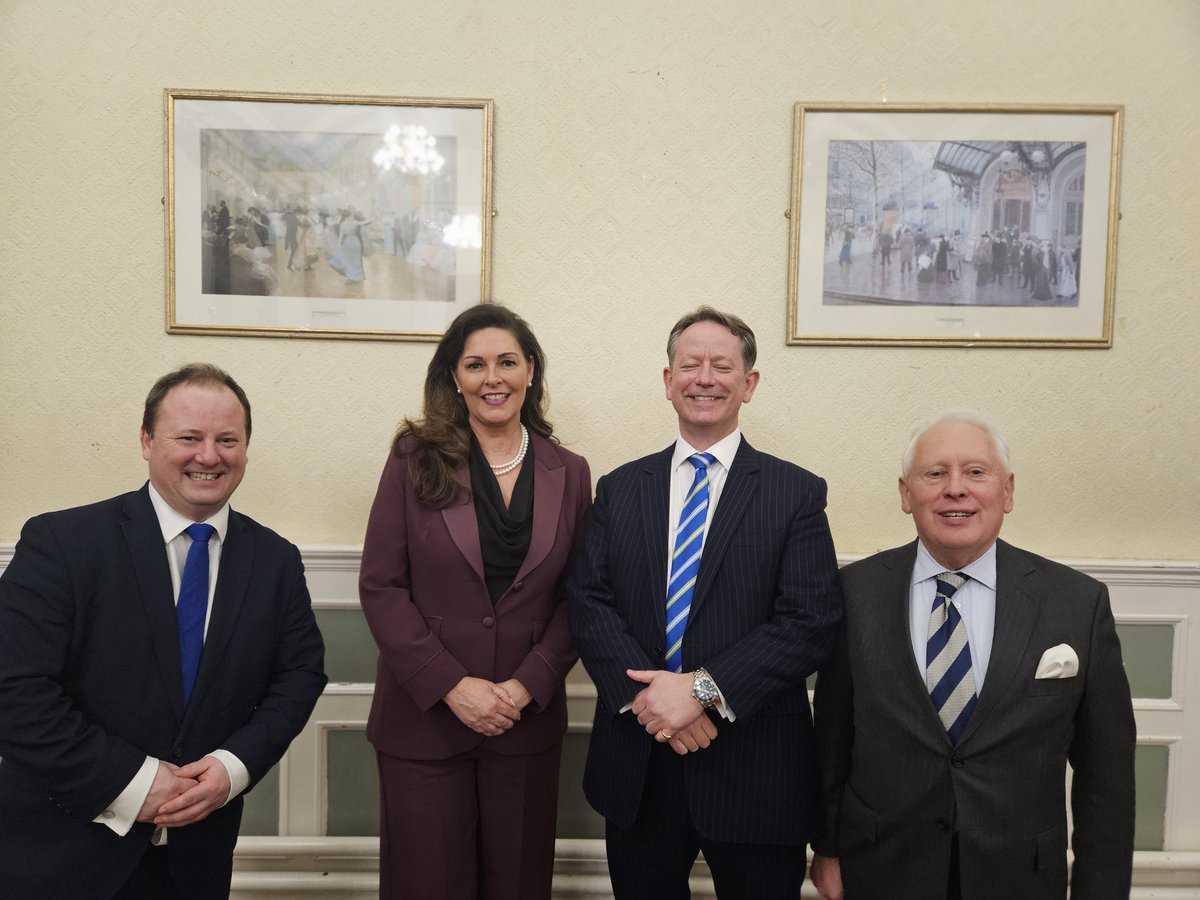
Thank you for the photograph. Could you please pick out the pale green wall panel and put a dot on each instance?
(1150, 766)
(353, 802)
(1148, 651)
(350, 651)
(260, 815)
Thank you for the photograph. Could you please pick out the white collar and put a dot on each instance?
(172, 523)
(724, 450)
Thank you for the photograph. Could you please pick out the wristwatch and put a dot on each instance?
(704, 689)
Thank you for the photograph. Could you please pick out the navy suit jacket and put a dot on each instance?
(897, 789)
(764, 616)
(90, 685)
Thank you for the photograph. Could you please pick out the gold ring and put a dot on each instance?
(665, 737)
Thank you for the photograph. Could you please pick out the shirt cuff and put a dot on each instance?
(239, 775)
(123, 811)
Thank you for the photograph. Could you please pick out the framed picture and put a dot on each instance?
(294, 215)
(960, 226)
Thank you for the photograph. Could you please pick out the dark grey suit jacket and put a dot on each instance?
(896, 790)
(90, 685)
(764, 616)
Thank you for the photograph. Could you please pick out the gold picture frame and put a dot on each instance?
(325, 216)
(1029, 191)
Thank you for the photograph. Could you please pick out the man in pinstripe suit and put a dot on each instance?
(704, 742)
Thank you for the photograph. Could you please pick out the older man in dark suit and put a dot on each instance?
(706, 594)
(969, 673)
(158, 653)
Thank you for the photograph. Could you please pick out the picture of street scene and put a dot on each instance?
(331, 215)
(953, 223)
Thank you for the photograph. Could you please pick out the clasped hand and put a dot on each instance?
(184, 795)
(485, 707)
(668, 711)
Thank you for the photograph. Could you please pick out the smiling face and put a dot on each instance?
(197, 454)
(958, 492)
(707, 383)
(493, 375)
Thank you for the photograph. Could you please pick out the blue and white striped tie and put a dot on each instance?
(948, 658)
(685, 561)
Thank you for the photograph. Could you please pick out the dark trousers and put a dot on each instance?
(151, 880)
(655, 856)
(478, 826)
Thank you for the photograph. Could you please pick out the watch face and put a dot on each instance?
(705, 690)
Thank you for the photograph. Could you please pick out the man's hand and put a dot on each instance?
(696, 736)
(482, 706)
(209, 794)
(666, 705)
(167, 785)
(826, 874)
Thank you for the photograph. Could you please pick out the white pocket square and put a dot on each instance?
(1058, 662)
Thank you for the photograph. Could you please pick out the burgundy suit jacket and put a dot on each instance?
(423, 593)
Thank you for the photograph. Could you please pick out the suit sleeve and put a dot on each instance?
(833, 717)
(297, 679)
(1101, 756)
(605, 642)
(417, 660)
(780, 654)
(43, 731)
(546, 666)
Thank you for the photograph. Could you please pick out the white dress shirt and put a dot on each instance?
(121, 814)
(975, 601)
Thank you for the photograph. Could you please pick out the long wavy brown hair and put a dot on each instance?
(443, 434)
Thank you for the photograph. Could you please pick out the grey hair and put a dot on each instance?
(965, 417)
(740, 330)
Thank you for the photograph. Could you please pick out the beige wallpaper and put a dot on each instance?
(641, 167)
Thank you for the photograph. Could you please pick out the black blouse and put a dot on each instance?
(504, 531)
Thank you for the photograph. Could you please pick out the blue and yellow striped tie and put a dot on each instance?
(685, 561)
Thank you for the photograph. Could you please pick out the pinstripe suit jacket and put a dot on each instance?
(897, 789)
(764, 616)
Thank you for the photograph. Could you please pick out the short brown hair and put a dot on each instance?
(739, 328)
(192, 373)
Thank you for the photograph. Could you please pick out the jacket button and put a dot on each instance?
(943, 824)
(177, 752)
(658, 651)
(488, 621)
(957, 762)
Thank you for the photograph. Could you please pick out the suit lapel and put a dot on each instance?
(549, 484)
(233, 582)
(1016, 615)
(741, 485)
(654, 501)
(895, 588)
(148, 554)
(463, 526)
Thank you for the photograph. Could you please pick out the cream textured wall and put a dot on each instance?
(641, 167)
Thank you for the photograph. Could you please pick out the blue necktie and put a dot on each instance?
(948, 658)
(193, 602)
(685, 562)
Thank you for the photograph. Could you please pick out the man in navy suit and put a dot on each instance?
(126, 743)
(702, 739)
(946, 779)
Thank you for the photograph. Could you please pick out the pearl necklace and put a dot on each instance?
(505, 468)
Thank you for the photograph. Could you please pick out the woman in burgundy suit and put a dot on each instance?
(476, 517)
